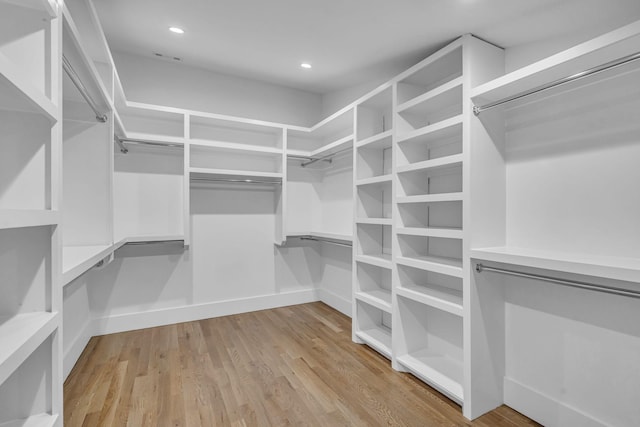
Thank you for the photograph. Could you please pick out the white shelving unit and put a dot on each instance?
(30, 118)
(539, 208)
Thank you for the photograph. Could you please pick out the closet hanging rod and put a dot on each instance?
(328, 157)
(320, 239)
(241, 181)
(591, 71)
(134, 141)
(563, 282)
(118, 141)
(75, 79)
(295, 156)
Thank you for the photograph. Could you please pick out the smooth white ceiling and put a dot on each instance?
(348, 41)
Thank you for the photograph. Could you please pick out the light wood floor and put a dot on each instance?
(288, 366)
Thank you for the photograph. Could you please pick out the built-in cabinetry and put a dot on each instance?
(30, 219)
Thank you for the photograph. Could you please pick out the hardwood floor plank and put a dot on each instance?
(288, 366)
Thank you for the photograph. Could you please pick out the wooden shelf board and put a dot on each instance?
(39, 420)
(379, 260)
(438, 297)
(419, 104)
(377, 338)
(233, 146)
(376, 180)
(431, 134)
(610, 46)
(20, 335)
(78, 259)
(380, 141)
(447, 266)
(431, 198)
(448, 233)
(381, 299)
(19, 94)
(375, 221)
(434, 165)
(616, 268)
(441, 371)
(18, 218)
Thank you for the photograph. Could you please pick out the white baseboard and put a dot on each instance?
(72, 354)
(545, 409)
(188, 313)
(334, 300)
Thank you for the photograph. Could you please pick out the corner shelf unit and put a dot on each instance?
(30, 234)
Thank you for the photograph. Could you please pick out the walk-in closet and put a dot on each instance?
(338, 213)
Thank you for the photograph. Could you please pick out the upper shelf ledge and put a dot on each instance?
(600, 50)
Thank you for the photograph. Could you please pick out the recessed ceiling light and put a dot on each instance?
(176, 30)
(305, 65)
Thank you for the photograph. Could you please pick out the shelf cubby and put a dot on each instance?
(440, 104)
(439, 142)
(417, 218)
(433, 289)
(330, 135)
(140, 120)
(373, 327)
(374, 115)
(437, 254)
(374, 240)
(442, 68)
(205, 156)
(230, 133)
(374, 201)
(374, 159)
(431, 346)
(430, 181)
(373, 286)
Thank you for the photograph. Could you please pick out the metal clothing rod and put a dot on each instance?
(75, 79)
(143, 142)
(320, 239)
(325, 158)
(241, 181)
(294, 156)
(564, 282)
(591, 71)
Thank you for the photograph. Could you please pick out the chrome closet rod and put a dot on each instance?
(320, 239)
(143, 142)
(591, 71)
(325, 158)
(564, 282)
(75, 79)
(241, 181)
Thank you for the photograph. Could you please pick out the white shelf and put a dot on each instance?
(441, 163)
(18, 94)
(376, 180)
(149, 137)
(380, 298)
(447, 233)
(375, 221)
(45, 6)
(379, 260)
(153, 238)
(333, 147)
(443, 372)
(20, 336)
(276, 177)
(346, 238)
(16, 218)
(441, 130)
(78, 259)
(233, 146)
(431, 198)
(608, 47)
(616, 268)
(40, 420)
(448, 266)
(418, 105)
(377, 338)
(379, 141)
(439, 297)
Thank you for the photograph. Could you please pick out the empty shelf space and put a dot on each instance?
(375, 221)
(379, 260)
(336, 237)
(431, 198)
(18, 94)
(616, 268)
(78, 259)
(442, 372)
(435, 134)
(333, 147)
(234, 175)
(440, 297)
(433, 166)
(448, 266)
(419, 104)
(18, 218)
(441, 104)
(39, 420)
(377, 338)
(450, 233)
(378, 298)
(20, 335)
(376, 180)
(235, 133)
(379, 141)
